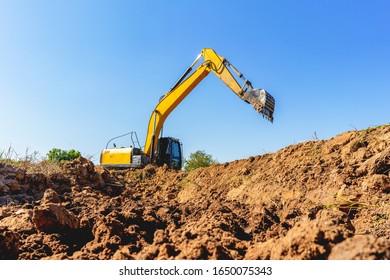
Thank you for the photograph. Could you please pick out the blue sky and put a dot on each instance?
(74, 74)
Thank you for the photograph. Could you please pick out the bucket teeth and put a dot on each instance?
(262, 102)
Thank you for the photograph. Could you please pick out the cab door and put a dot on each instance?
(169, 152)
(176, 157)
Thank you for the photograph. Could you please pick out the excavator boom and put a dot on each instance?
(167, 104)
(261, 100)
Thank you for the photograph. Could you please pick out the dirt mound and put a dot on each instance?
(313, 200)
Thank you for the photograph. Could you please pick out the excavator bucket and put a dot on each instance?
(262, 102)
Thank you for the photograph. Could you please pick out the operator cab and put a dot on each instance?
(169, 152)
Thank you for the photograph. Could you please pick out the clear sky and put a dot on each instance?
(74, 74)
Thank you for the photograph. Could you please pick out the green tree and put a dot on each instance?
(59, 155)
(199, 159)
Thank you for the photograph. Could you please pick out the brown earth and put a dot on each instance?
(313, 200)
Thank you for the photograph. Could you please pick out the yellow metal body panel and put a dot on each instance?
(116, 156)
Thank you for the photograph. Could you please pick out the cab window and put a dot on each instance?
(175, 153)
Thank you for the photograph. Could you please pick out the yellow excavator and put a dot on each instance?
(168, 150)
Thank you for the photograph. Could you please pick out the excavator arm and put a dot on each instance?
(262, 101)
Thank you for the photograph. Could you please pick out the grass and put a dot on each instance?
(31, 162)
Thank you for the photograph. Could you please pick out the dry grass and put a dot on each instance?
(31, 162)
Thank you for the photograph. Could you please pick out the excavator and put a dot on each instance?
(168, 150)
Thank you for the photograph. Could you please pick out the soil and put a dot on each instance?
(323, 199)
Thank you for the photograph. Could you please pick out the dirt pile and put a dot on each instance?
(313, 200)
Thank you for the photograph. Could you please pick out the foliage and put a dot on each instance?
(59, 155)
(199, 159)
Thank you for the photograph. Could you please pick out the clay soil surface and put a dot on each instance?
(313, 200)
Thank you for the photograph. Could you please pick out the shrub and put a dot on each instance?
(59, 155)
(199, 159)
